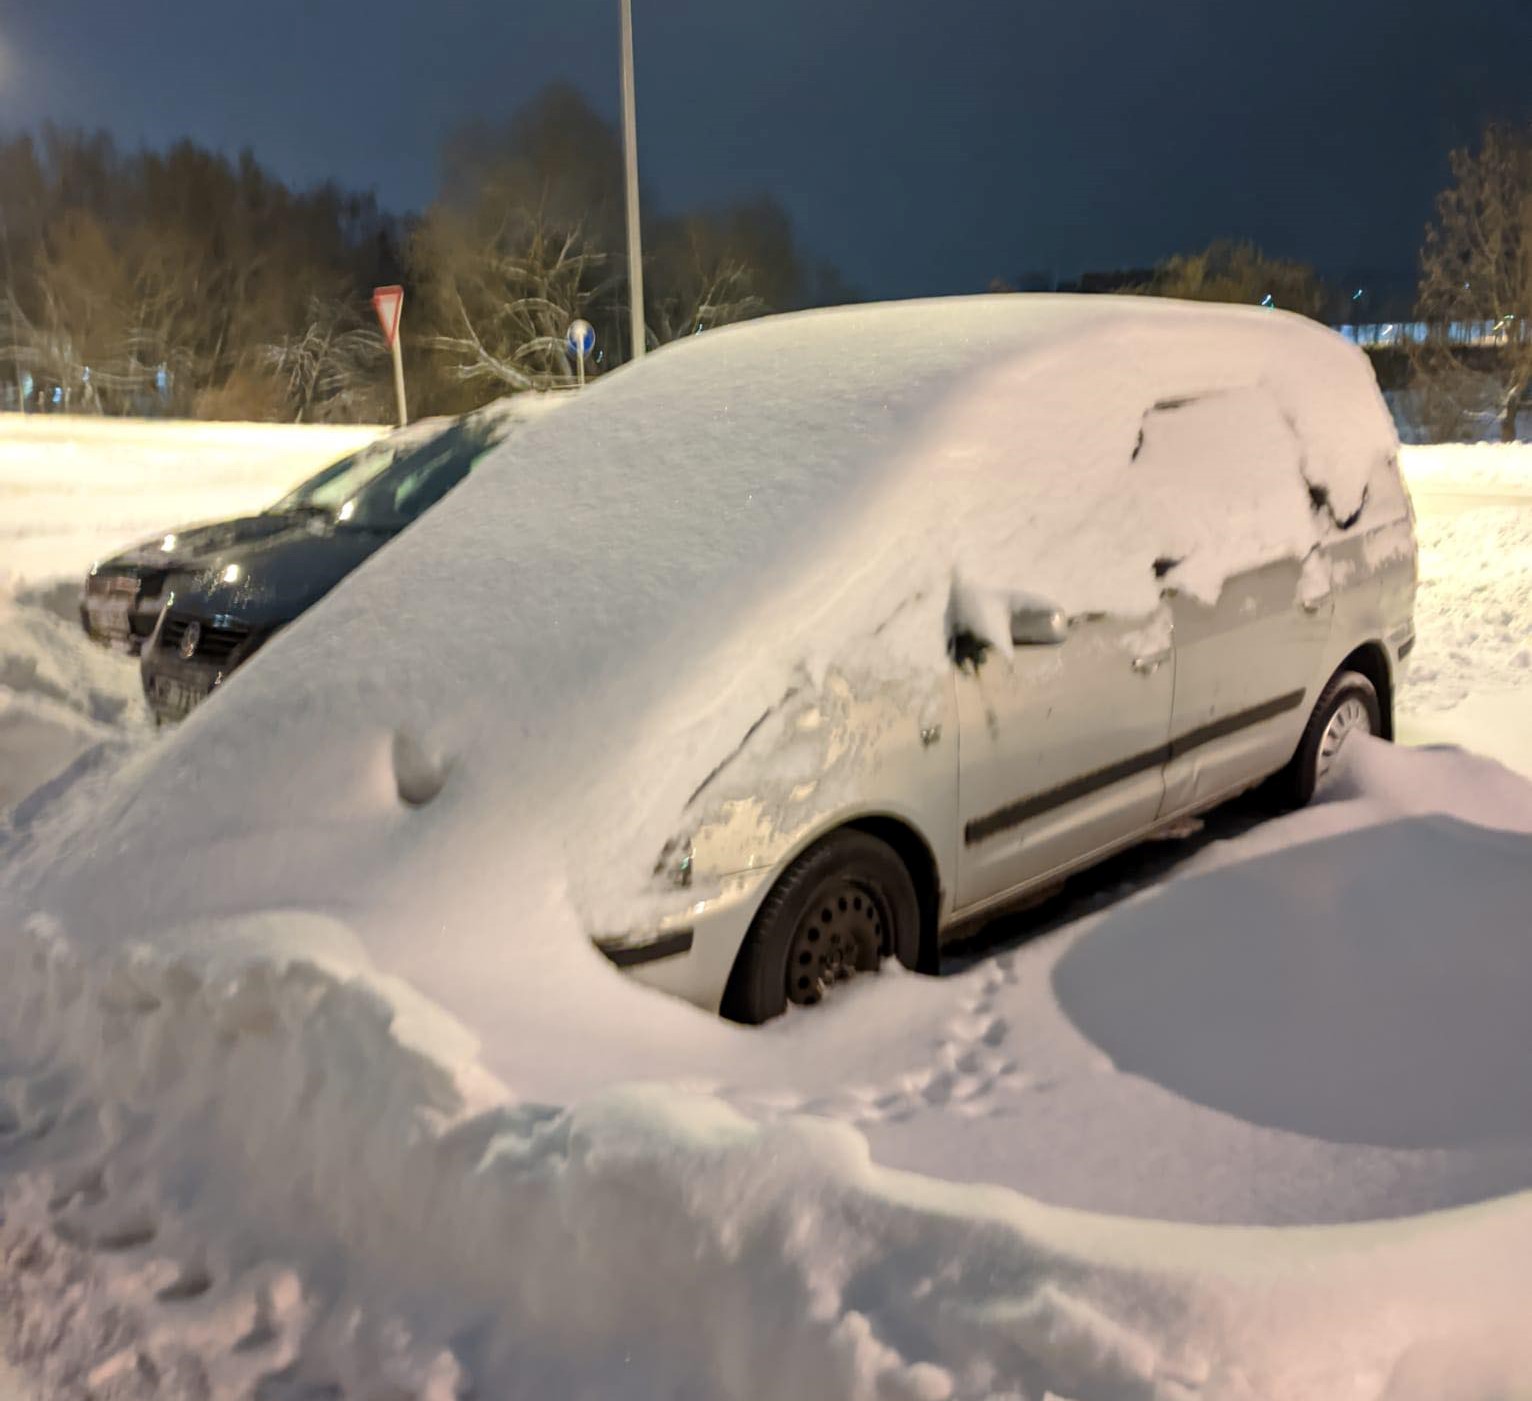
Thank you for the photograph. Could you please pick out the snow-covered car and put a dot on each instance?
(796, 646)
(1283, 560)
(122, 595)
(253, 577)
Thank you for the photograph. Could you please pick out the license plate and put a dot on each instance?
(175, 700)
(109, 617)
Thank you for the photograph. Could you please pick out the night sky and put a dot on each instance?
(922, 145)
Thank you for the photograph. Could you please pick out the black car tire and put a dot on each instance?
(1293, 786)
(839, 909)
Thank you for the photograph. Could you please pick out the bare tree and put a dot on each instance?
(502, 292)
(1476, 287)
(330, 370)
(697, 282)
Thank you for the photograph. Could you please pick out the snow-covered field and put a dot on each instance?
(73, 490)
(1470, 681)
(1251, 1122)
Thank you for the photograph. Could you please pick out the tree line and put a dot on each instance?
(1467, 360)
(185, 282)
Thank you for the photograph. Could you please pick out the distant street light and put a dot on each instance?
(630, 152)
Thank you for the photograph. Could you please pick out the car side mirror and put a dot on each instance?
(1038, 627)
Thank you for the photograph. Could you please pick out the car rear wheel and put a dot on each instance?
(838, 910)
(1348, 706)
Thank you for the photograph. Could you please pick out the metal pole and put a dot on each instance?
(582, 369)
(630, 152)
(404, 416)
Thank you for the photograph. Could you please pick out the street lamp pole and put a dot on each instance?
(630, 153)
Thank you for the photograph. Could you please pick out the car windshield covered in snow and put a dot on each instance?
(387, 485)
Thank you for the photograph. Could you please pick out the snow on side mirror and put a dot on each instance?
(1038, 627)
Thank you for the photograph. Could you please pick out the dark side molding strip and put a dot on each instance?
(667, 946)
(1014, 814)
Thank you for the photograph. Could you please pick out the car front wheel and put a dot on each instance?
(838, 910)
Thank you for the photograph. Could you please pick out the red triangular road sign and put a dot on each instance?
(388, 302)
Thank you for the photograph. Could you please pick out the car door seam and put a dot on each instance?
(1013, 814)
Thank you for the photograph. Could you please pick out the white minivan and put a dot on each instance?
(1183, 564)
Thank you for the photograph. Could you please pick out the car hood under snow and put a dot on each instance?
(563, 651)
(278, 573)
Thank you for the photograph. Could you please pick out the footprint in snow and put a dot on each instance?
(192, 1282)
(87, 1185)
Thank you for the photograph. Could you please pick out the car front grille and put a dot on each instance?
(217, 642)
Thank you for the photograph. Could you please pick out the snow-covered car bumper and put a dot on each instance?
(691, 953)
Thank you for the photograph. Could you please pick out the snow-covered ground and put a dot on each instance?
(1470, 681)
(1056, 1170)
(73, 490)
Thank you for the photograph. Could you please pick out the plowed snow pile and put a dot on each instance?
(305, 1092)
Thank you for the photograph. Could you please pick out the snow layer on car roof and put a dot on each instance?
(552, 660)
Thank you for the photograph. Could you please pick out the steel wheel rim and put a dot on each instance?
(1351, 717)
(844, 931)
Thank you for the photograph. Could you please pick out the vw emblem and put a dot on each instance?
(190, 638)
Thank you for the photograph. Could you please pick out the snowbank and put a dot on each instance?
(255, 1163)
(1325, 989)
(73, 490)
(61, 696)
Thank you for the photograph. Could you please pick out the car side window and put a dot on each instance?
(1233, 465)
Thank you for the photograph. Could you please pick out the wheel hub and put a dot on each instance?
(844, 932)
(1350, 718)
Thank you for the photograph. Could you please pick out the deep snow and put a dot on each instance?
(242, 1156)
(318, 1204)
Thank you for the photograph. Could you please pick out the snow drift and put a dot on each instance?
(262, 1168)
(307, 1090)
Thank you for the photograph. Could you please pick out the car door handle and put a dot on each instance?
(1150, 662)
(1314, 605)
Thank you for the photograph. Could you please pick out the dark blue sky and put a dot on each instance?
(922, 145)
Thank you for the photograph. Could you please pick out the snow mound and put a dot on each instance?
(61, 696)
(1371, 987)
(256, 1168)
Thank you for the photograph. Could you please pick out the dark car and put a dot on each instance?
(219, 614)
(121, 601)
